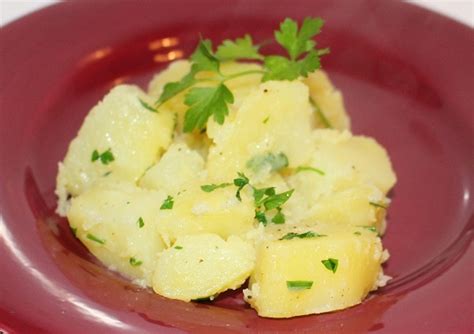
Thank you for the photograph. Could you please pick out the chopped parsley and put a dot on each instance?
(178, 247)
(167, 203)
(94, 238)
(299, 285)
(134, 262)
(74, 231)
(240, 182)
(140, 222)
(331, 264)
(147, 106)
(277, 200)
(274, 161)
(378, 205)
(309, 169)
(211, 187)
(309, 234)
(370, 228)
(105, 157)
(261, 218)
(357, 233)
(279, 217)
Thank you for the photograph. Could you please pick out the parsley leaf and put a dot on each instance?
(275, 201)
(331, 264)
(309, 234)
(203, 59)
(309, 169)
(240, 182)
(258, 195)
(205, 102)
(299, 285)
(134, 262)
(261, 218)
(167, 203)
(106, 157)
(274, 161)
(241, 48)
(146, 105)
(378, 205)
(279, 218)
(178, 247)
(298, 42)
(171, 89)
(140, 222)
(211, 187)
(94, 238)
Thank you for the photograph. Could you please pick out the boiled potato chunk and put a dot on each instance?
(274, 120)
(328, 100)
(291, 278)
(132, 134)
(177, 169)
(117, 223)
(196, 211)
(202, 266)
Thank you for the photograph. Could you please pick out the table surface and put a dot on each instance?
(460, 10)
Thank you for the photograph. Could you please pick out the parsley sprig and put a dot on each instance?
(213, 100)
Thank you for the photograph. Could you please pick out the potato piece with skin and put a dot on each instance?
(177, 169)
(196, 211)
(202, 266)
(275, 119)
(283, 264)
(135, 136)
(328, 100)
(106, 219)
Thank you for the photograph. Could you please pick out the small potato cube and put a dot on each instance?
(203, 265)
(117, 223)
(317, 274)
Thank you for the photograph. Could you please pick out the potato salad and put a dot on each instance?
(234, 169)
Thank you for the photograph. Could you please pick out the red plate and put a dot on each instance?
(407, 77)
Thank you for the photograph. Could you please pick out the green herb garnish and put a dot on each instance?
(278, 218)
(357, 233)
(309, 234)
(299, 285)
(211, 187)
(178, 247)
(167, 203)
(106, 157)
(134, 262)
(94, 238)
(140, 222)
(240, 182)
(74, 231)
(331, 264)
(213, 100)
(277, 200)
(261, 218)
(370, 228)
(378, 205)
(309, 169)
(274, 161)
(147, 106)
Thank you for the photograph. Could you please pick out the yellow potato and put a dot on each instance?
(133, 135)
(117, 223)
(275, 119)
(291, 277)
(203, 265)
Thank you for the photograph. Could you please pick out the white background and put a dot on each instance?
(460, 10)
